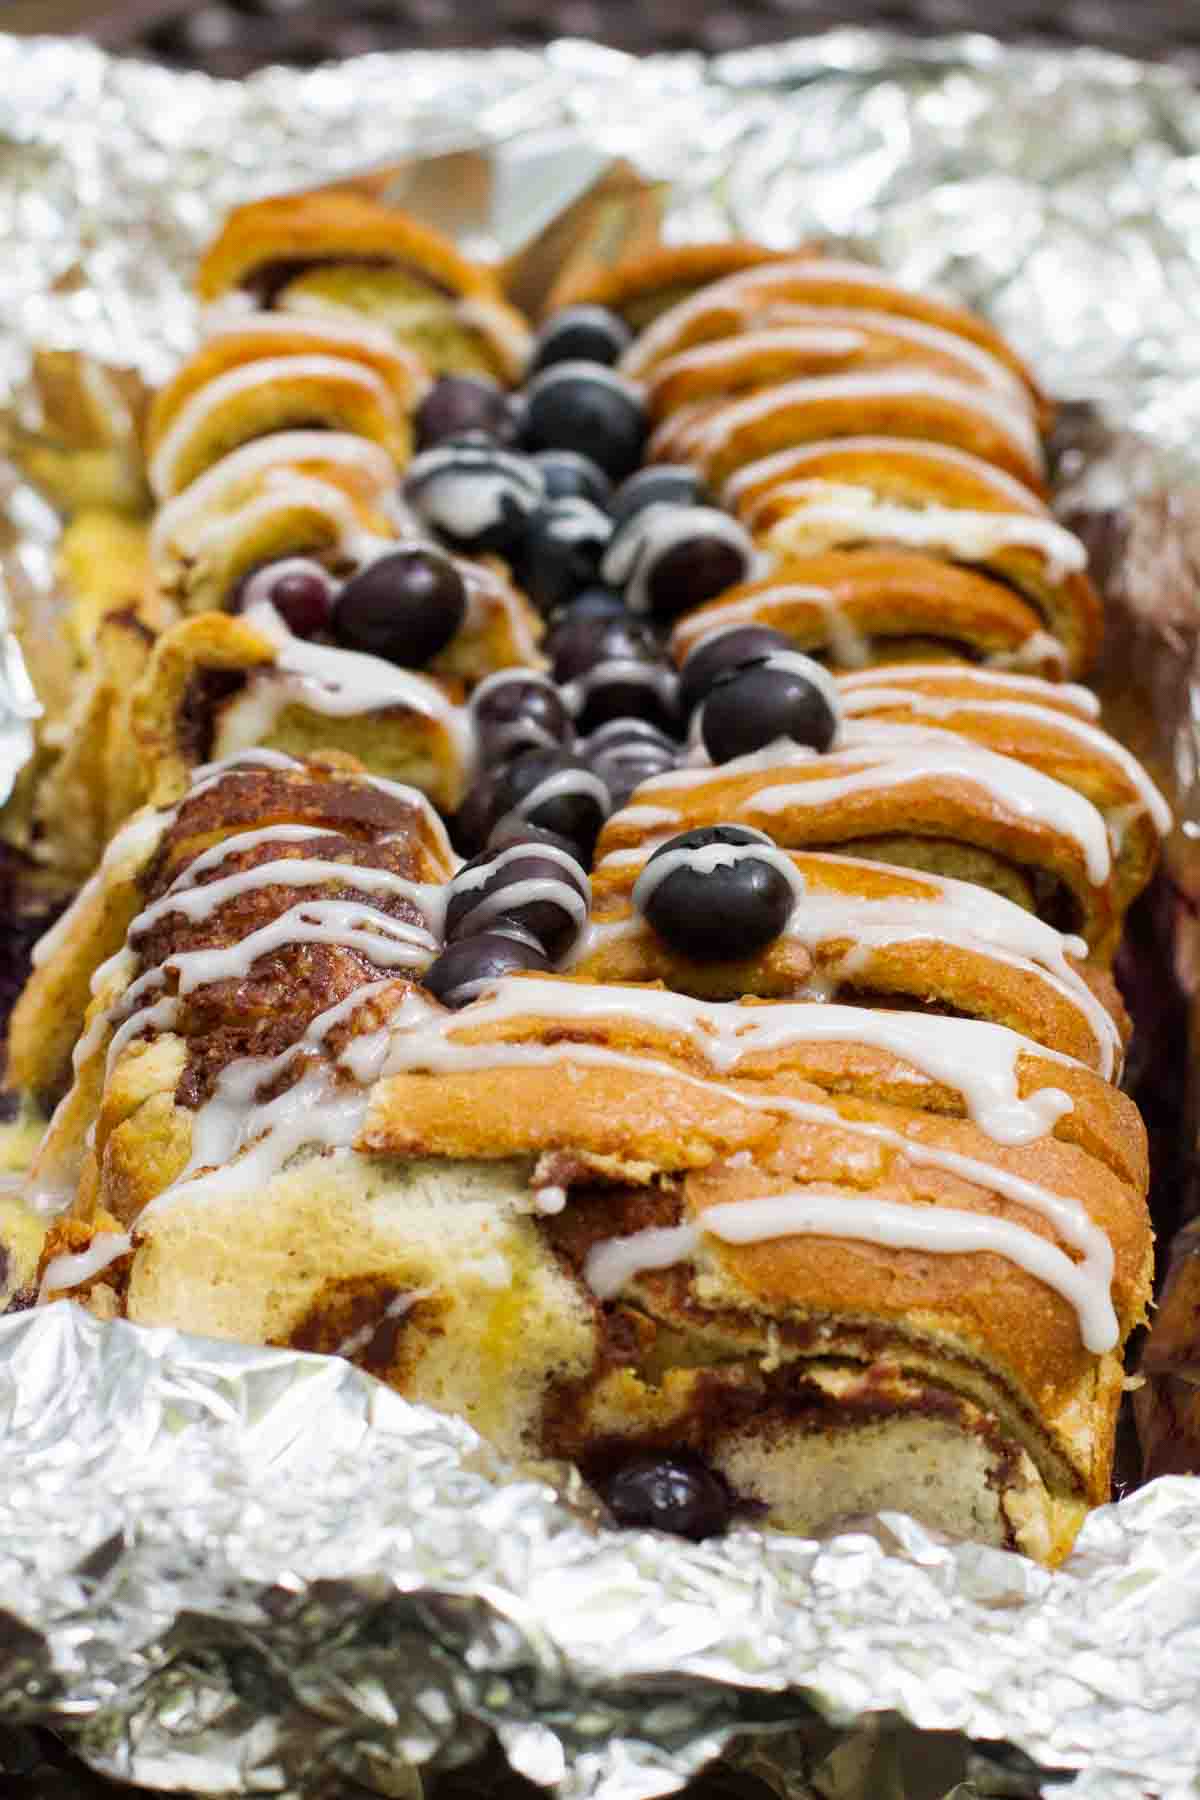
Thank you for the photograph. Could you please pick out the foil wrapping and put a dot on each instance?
(233, 1570)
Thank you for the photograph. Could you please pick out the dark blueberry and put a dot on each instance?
(725, 892)
(518, 709)
(566, 472)
(725, 650)
(405, 607)
(593, 603)
(783, 696)
(464, 969)
(475, 494)
(474, 819)
(547, 894)
(675, 1491)
(626, 752)
(518, 831)
(561, 550)
(611, 668)
(557, 792)
(580, 406)
(592, 631)
(580, 334)
(301, 591)
(671, 558)
(458, 403)
(662, 484)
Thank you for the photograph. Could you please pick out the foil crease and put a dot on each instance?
(246, 1571)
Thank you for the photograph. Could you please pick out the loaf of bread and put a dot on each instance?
(741, 1120)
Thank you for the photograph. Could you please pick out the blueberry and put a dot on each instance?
(784, 695)
(611, 668)
(662, 484)
(518, 831)
(561, 550)
(476, 816)
(405, 607)
(590, 632)
(557, 792)
(724, 650)
(475, 494)
(546, 892)
(464, 969)
(301, 591)
(592, 603)
(518, 709)
(580, 406)
(626, 752)
(458, 403)
(581, 334)
(674, 1491)
(719, 892)
(566, 472)
(670, 558)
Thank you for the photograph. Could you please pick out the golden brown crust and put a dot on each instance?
(411, 1114)
(1028, 727)
(927, 820)
(757, 359)
(208, 665)
(722, 437)
(770, 498)
(642, 286)
(278, 336)
(862, 606)
(333, 396)
(333, 225)
(759, 297)
(937, 973)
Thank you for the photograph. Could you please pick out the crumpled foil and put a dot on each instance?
(235, 1570)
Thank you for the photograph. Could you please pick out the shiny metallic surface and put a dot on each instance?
(246, 1571)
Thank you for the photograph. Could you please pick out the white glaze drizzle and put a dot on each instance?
(835, 331)
(843, 1212)
(196, 903)
(1061, 695)
(891, 690)
(875, 756)
(70, 1269)
(355, 333)
(334, 682)
(1015, 426)
(750, 286)
(782, 465)
(267, 371)
(826, 514)
(976, 1059)
(419, 1037)
(957, 912)
(231, 480)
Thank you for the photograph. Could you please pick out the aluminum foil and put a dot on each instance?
(247, 1571)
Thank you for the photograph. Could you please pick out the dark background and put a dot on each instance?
(232, 37)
